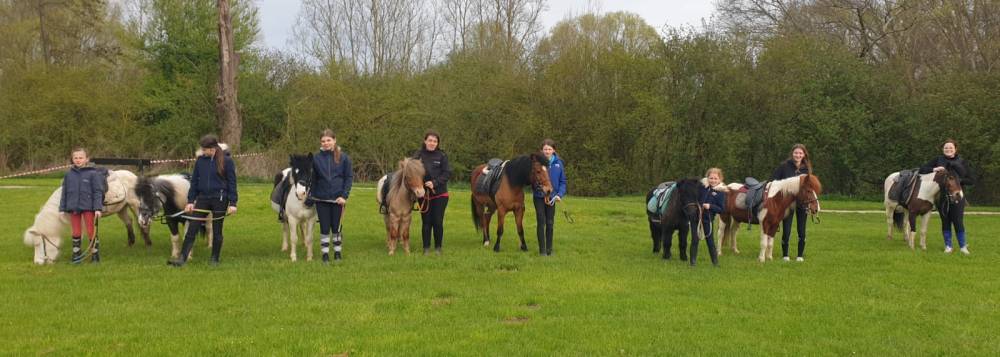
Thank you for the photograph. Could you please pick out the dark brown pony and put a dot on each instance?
(778, 198)
(521, 171)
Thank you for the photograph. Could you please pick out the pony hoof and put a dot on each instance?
(496, 248)
(760, 259)
(284, 248)
(524, 248)
(391, 253)
(736, 251)
(294, 258)
(309, 259)
(486, 243)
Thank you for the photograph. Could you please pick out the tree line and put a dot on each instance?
(870, 86)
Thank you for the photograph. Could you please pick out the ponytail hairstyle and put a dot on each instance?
(211, 141)
(806, 160)
(327, 133)
(548, 142)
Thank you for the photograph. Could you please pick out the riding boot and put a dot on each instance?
(714, 253)
(337, 247)
(541, 245)
(77, 253)
(185, 251)
(694, 251)
(548, 244)
(216, 249)
(95, 254)
(324, 246)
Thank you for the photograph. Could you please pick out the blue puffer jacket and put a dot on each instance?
(207, 182)
(83, 189)
(557, 175)
(332, 180)
(715, 199)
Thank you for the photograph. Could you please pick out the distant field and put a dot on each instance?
(602, 293)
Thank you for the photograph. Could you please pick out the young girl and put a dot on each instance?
(437, 172)
(213, 188)
(951, 215)
(798, 163)
(545, 212)
(330, 189)
(712, 202)
(83, 190)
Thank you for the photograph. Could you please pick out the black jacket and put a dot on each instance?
(956, 164)
(83, 189)
(436, 167)
(332, 180)
(205, 181)
(788, 169)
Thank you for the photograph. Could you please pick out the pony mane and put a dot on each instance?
(687, 190)
(518, 170)
(145, 191)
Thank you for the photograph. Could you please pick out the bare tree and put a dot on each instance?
(226, 103)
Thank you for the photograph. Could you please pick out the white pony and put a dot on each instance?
(50, 224)
(921, 203)
(298, 216)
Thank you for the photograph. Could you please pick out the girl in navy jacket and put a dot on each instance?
(83, 190)
(545, 212)
(712, 203)
(798, 163)
(213, 188)
(331, 187)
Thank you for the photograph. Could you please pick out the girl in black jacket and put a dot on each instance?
(213, 188)
(951, 215)
(333, 178)
(438, 171)
(797, 164)
(83, 190)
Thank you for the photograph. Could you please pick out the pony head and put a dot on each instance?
(150, 201)
(809, 190)
(301, 174)
(540, 174)
(46, 248)
(950, 184)
(411, 174)
(687, 196)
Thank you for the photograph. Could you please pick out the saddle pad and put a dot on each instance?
(661, 195)
(116, 189)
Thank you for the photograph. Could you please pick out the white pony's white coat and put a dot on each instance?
(298, 217)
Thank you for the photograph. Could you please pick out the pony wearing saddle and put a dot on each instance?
(489, 181)
(903, 186)
(658, 201)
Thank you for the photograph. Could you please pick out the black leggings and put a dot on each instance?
(433, 220)
(800, 216)
(952, 215)
(544, 217)
(218, 207)
(329, 217)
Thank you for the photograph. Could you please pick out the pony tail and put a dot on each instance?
(220, 161)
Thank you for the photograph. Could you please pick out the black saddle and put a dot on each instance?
(754, 196)
(901, 190)
(489, 182)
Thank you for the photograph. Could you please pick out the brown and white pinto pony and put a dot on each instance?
(521, 171)
(921, 203)
(405, 188)
(780, 198)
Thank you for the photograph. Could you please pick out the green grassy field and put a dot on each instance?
(602, 292)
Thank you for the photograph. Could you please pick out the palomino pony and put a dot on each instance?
(166, 194)
(46, 233)
(299, 217)
(521, 171)
(921, 202)
(397, 192)
(682, 213)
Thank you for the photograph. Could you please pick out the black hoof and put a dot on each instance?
(524, 248)
(666, 257)
(496, 248)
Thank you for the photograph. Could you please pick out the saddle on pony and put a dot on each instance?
(902, 189)
(658, 202)
(117, 188)
(750, 197)
(383, 205)
(489, 181)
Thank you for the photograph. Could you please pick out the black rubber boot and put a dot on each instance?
(95, 255)
(77, 253)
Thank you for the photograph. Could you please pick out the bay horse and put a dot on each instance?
(921, 202)
(45, 234)
(521, 171)
(682, 214)
(396, 194)
(292, 185)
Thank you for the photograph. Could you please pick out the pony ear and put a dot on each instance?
(310, 156)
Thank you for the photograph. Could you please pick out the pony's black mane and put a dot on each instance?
(685, 194)
(518, 170)
(303, 163)
(147, 188)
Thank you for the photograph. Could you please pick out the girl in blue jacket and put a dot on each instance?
(330, 189)
(545, 212)
(83, 190)
(712, 203)
(213, 188)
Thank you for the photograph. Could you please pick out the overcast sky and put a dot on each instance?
(278, 16)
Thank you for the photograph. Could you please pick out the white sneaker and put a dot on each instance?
(800, 259)
(785, 259)
(965, 250)
(947, 250)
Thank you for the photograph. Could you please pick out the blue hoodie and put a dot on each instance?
(332, 180)
(205, 181)
(557, 175)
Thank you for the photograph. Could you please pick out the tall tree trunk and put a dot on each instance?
(226, 104)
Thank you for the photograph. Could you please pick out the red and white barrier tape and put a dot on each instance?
(152, 162)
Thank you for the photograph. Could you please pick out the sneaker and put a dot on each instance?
(800, 259)
(786, 259)
(965, 250)
(175, 263)
(437, 250)
(947, 250)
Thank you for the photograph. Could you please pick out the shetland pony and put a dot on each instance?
(405, 186)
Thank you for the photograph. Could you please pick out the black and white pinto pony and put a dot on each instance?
(921, 203)
(296, 181)
(45, 235)
(682, 214)
(166, 195)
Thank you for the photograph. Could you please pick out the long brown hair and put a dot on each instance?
(952, 142)
(805, 159)
(327, 133)
(212, 141)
